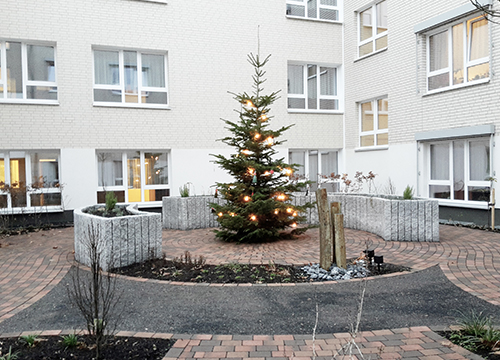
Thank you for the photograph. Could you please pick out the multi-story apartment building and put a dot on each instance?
(128, 95)
(420, 99)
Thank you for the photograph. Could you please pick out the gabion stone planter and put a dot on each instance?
(122, 240)
(187, 213)
(389, 217)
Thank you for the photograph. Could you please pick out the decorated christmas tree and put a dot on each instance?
(258, 203)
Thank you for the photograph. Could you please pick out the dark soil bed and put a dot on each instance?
(195, 270)
(116, 348)
(483, 352)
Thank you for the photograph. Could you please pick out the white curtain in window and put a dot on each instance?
(295, 79)
(110, 169)
(311, 8)
(328, 84)
(298, 157)
(479, 159)
(312, 87)
(328, 163)
(106, 67)
(153, 70)
(440, 159)
(479, 47)
(438, 45)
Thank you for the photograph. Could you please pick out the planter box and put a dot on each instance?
(124, 240)
(187, 213)
(389, 217)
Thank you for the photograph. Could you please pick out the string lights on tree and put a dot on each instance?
(259, 201)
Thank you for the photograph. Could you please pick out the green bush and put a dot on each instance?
(111, 201)
(70, 341)
(184, 190)
(408, 193)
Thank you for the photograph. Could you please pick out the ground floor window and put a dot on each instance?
(134, 176)
(460, 169)
(29, 179)
(314, 165)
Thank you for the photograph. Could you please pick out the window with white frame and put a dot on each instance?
(374, 123)
(30, 180)
(117, 80)
(328, 10)
(458, 54)
(372, 29)
(315, 165)
(312, 88)
(460, 169)
(27, 72)
(134, 176)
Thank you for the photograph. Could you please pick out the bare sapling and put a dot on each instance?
(94, 292)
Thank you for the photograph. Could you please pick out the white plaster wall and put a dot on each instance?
(79, 177)
(382, 163)
(196, 167)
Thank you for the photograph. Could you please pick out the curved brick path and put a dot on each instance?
(465, 255)
(31, 265)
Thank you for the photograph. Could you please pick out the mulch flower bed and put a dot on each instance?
(116, 348)
(188, 269)
(484, 352)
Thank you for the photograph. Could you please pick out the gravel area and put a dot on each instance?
(415, 299)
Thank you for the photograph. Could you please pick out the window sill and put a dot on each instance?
(370, 54)
(456, 87)
(164, 2)
(29, 102)
(464, 204)
(31, 210)
(327, 112)
(132, 106)
(371, 148)
(313, 19)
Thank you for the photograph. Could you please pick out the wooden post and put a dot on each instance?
(334, 209)
(493, 209)
(325, 230)
(340, 252)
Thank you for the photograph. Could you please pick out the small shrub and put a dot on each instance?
(29, 340)
(70, 341)
(9, 355)
(111, 201)
(408, 193)
(184, 190)
(476, 332)
(187, 262)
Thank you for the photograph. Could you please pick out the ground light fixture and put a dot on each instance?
(379, 259)
(369, 254)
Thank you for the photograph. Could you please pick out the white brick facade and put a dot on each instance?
(206, 48)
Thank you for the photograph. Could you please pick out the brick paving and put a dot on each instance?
(466, 256)
(31, 265)
(416, 343)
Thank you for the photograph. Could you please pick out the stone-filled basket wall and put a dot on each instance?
(124, 240)
(389, 217)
